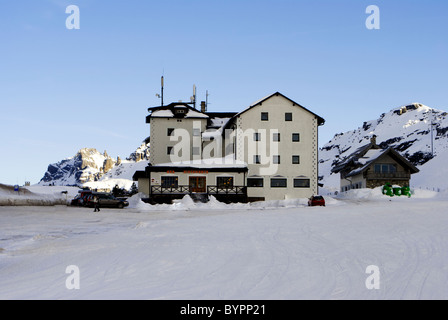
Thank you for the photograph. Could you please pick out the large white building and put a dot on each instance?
(269, 151)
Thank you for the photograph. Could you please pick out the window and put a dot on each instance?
(264, 116)
(179, 110)
(276, 137)
(288, 116)
(257, 159)
(276, 159)
(224, 182)
(278, 183)
(196, 151)
(170, 182)
(169, 131)
(296, 137)
(196, 132)
(255, 182)
(301, 183)
(295, 159)
(169, 150)
(385, 168)
(257, 136)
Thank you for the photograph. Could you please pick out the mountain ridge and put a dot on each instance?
(89, 166)
(407, 129)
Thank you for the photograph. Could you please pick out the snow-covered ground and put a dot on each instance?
(271, 250)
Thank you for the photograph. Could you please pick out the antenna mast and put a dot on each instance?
(161, 82)
(194, 96)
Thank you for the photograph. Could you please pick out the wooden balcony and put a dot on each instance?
(170, 190)
(236, 190)
(388, 176)
(233, 194)
(211, 190)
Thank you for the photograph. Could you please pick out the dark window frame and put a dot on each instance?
(276, 137)
(255, 182)
(265, 116)
(294, 135)
(302, 185)
(227, 183)
(294, 157)
(279, 183)
(169, 181)
(288, 116)
(276, 159)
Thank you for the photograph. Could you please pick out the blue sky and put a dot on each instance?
(62, 90)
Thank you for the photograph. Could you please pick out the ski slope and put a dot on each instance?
(272, 250)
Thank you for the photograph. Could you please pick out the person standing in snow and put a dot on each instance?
(96, 203)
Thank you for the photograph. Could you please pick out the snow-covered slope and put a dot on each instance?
(264, 251)
(407, 129)
(91, 168)
(121, 175)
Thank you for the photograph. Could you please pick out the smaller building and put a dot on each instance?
(370, 166)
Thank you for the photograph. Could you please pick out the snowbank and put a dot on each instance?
(36, 195)
(376, 194)
(187, 204)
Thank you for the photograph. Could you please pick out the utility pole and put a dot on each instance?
(432, 134)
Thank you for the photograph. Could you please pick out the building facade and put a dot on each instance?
(371, 166)
(268, 151)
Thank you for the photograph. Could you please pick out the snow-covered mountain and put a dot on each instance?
(91, 168)
(407, 129)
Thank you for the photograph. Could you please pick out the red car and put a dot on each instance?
(316, 201)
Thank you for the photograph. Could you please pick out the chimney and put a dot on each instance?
(373, 140)
(203, 107)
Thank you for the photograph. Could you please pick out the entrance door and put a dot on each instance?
(198, 184)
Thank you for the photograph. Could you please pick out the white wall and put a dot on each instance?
(304, 123)
(160, 140)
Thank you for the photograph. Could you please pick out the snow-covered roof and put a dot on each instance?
(359, 161)
(367, 159)
(321, 120)
(218, 122)
(196, 114)
(215, 133)
(167, 113)
(171, 111)
(370, 156)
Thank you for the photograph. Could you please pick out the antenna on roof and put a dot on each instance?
(193, 98)
(161, 82)
(160, 95)
(206, 99)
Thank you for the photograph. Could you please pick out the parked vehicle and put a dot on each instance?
(106, 200)
(316, 201)
(80, 198)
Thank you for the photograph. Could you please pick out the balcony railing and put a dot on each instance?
(395, 175)
(211, 190)
(237, 190)
(170, 190)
